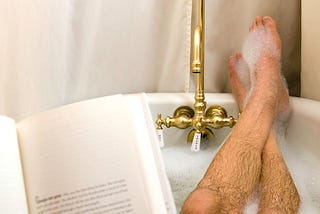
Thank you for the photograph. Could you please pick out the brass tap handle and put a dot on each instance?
(216, 117)
(218, 122)
(181, 119)
(180, 122)
(159, 122)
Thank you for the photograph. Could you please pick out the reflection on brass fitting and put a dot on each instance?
(200, 119)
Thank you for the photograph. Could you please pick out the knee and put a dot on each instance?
(201, 201)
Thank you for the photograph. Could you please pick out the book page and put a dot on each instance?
(152, 149)
(82, 158)
(12, 191)
(149, 150)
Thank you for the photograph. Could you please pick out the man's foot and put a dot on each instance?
(239, 79)
(262, 52)
(262, 40)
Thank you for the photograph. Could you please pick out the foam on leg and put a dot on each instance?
(260, 41)
(239, 79)
(242, 69)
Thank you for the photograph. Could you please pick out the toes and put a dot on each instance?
(252, 26)
(258, 21)
(271, 25)
(238, 67)
(233, 60)
(238, 56)
(231, 63)
(269, 22)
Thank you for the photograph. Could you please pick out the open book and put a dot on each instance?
(95, 156)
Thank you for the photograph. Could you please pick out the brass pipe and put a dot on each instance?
(201, 13)
(198, 69)
(201, 23)
(197, 65)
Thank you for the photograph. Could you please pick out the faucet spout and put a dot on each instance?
(197, 65)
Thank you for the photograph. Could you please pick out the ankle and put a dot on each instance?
(264, 99)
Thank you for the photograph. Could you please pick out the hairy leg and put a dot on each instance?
(278, 191)
(234, 173)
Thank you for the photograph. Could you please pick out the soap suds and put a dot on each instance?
(259, 41)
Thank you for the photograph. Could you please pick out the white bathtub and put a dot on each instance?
(301, 148)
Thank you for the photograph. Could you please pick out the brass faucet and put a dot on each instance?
(200, 119)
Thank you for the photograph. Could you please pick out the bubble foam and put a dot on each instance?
(259, 41)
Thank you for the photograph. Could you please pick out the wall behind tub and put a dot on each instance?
(227, 24)
(55, 52)
(310, 50)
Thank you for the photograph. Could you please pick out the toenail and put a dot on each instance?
(266, 18)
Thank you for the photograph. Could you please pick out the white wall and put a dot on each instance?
(310, 49)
